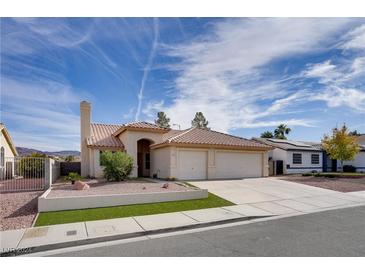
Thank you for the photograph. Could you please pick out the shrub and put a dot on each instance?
(73, 177)
(117, 166)
(327, 175)
(31, 166)
(307, 174)
(331, 175)
(349, 168)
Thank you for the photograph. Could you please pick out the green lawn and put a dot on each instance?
(71, 216)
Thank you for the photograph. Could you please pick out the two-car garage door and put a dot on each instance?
(238, 165)
(192, 165)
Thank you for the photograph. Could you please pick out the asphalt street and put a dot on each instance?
(331, 233)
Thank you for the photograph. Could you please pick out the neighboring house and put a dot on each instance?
(7, 153)
(195, 154)
(359, 161)
(289, 157)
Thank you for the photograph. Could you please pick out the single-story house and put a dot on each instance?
(289, 157)
(359, 161)
(192, 154)
(7, 153)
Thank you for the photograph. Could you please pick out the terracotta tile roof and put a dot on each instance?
(140, 125)
(199, 136)
(171, 133)
(102, 136)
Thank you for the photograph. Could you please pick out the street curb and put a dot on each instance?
(29, 250)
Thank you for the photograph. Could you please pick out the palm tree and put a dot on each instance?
(281, 131)
(267, 134)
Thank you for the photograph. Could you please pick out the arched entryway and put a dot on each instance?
(144, 157)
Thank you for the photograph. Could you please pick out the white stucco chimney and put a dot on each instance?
(85, 132)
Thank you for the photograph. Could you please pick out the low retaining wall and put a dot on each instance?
(94, 201)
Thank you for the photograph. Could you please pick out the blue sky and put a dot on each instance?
(247, 75)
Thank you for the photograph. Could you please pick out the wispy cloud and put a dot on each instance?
(41, 109)
(336, 96)
(241, 73)
(342, 82)
(355, 39)
(147, 68)
(223, 73)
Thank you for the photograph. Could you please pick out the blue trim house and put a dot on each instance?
(290, 157)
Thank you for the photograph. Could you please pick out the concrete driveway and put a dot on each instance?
(278, 196)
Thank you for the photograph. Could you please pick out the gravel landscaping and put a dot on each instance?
(337, 184)
(18, 209)
(105, 188)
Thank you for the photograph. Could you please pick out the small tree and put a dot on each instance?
(267, 134)
(69, 158)
(281, 131)
(199, 121)
(341, 145)
(117, 166)
(162, 120)
(73, 177)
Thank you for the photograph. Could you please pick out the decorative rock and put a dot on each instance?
(166, 185)
(79, 185)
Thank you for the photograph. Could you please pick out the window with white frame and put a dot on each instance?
(297, 158)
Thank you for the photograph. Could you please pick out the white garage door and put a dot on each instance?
(192, 165)
(238, 165)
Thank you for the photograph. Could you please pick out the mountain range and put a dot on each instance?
(22, 151)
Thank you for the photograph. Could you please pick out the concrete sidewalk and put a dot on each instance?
(57, 236)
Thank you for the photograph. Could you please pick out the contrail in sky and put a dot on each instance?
(147, 68)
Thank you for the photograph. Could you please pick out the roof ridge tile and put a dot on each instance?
(181, 134)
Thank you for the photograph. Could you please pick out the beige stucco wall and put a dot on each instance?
(8, 156)
(161, 162)
(130, 138)
(85, 132)
(4, 143)
(171, 167)
(94, 165)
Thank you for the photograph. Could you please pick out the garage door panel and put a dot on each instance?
(238, 165)
(192, 165)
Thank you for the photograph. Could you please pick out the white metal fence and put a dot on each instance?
(27, 173)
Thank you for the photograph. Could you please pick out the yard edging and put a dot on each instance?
(98, 201)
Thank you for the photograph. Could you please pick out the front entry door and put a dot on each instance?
(279, 167)
(334, 165)
(140, 164)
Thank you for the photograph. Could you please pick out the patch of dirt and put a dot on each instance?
(337, 184)
(106, 188)
(18, 209)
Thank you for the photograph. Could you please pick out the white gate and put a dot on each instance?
(23, 173)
